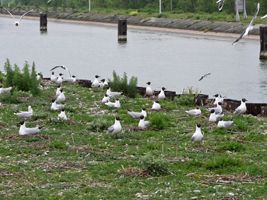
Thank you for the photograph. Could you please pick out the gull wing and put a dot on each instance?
(10, 13)
(57, 67)
(250, 25)
(24, 14)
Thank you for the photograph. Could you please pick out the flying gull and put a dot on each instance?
(249, 27)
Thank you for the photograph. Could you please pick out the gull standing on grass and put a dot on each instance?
(103, 83)
(23, 130)
(17, 22)
(197, 136)
(25, 114)
(142, 123)
(250, 25)
(116, 127)
(242, 109)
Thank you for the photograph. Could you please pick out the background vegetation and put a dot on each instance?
(150, 6)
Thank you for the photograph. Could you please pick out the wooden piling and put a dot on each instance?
(43, 22)
(263, 41)
(122, 30)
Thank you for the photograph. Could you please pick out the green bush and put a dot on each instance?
(159, 121)
(121, 84)
(185, 100)
(154, 166)
(21, 80)
(221, 163)
(99, 124)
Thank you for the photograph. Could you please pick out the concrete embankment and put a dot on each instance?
(185, 24)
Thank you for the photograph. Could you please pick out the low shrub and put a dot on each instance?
(159, 121)
(21, 80)
(121, 84)
(154, 166)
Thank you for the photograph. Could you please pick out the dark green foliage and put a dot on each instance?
(232, 146)
(186, 100)
(9, 74)
(121, 84)
(154, 166)
(221, 163)
(21, 80)
(99, 124)
(159, 121)
(34, 83)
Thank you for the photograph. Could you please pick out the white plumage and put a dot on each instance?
(23, 130)
(25, 114)
(156, 105)
(116, 127)
(194, 112)
(137, 115)
(197, 136)
(242, 109)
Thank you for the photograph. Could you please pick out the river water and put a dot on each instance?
(175, 61)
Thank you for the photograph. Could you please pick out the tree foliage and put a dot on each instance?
(177, 5)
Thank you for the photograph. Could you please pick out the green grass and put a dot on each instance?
(77, 159)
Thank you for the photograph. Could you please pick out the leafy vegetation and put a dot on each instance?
(158, 163)
(21, 80)
(121, 84)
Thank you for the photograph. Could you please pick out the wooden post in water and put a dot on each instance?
(43, 22)
(263, 41)
(122, 30)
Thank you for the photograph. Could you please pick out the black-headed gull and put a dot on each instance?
(116, 127)
(23, 130)
(112, 94)
(149, 90)
(142, 123)
(156, 105)
(137, 115)
(96, 83)
(162, 93)
(105, 99)
(194, 112)
(224, 124)
(197, 136)
(61, 97)
(115, 104)
(25, 114)
(62, 67)
(56, 106)
(17, 21)
(53, 77)
(214, 117)
(242, 108)
(5, 90)
(62, 115)
(250, 25)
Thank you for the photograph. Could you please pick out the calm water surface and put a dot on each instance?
(166, 59)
